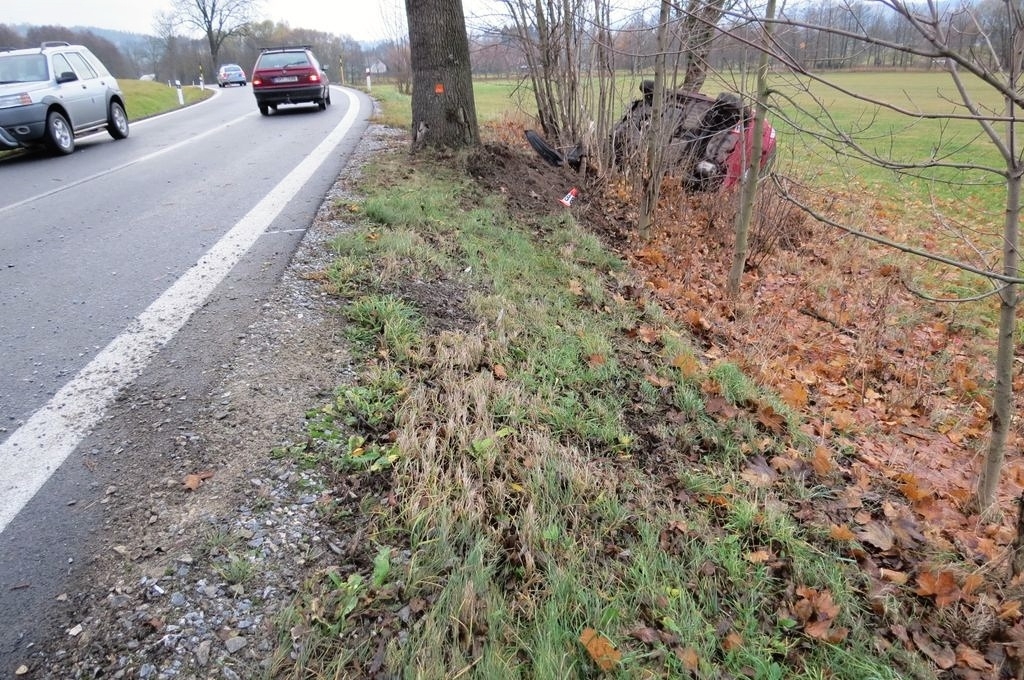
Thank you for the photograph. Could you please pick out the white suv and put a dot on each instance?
(53, 93)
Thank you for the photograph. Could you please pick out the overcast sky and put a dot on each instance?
(362, 19)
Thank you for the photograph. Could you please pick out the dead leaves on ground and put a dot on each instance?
(897, 411)
(194, 480)
(940, 585)
(816, 612)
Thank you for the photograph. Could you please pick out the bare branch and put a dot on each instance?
(895, 244)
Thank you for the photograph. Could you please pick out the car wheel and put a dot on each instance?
(321, 104)
(264, 109)
(117, 121)
(59, 136)
(328, 97)
(220, 84)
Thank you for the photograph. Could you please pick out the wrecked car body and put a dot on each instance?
(710, 138)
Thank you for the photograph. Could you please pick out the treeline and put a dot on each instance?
(828, 35)
(110, 54)
(171, 57)
(811, 34)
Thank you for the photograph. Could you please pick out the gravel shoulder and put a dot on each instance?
(186, 583)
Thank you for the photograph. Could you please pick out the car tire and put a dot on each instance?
(328, 97)
(264, 110)
(59, 136)
(117, 121)
(220, 85)
(321, 104)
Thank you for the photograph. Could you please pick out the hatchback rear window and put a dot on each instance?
(282, 60)
(23, 68)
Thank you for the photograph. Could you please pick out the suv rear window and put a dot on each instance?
(282, 59)
(23, 68)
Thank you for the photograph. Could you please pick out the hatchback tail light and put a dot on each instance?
(314, 78)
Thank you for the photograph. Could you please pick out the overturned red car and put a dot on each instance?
(710, 141)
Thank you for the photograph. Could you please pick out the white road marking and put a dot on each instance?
(116, 168)
(35, 450)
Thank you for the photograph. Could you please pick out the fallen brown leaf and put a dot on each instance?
(689, 658)
(841, 533)
(732, 641)
(645, 634)
(193, 481)
(972, 658)
(941, 585)
(759, 474)
(600, 649)
(941, 655)
(877, 534)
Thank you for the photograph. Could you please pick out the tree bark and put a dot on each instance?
(443, 108)
(1002, 397)
(657, 140)
(699, 29)
(1009, 296)
(751, 177)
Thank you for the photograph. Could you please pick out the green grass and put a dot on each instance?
(805, 105)
(147, 98)
(519, 506)
(904, 138)
(532, 484)
(953, 211)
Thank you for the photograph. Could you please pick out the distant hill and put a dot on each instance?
(124, 40)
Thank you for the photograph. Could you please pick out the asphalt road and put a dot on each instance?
(123, 256)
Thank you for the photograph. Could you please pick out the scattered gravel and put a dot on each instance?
(190, 582)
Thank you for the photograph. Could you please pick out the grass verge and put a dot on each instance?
(544, 479)
(144, 99)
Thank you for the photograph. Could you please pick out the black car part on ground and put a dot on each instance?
(573, 159)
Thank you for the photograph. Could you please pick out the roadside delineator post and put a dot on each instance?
(569, 197)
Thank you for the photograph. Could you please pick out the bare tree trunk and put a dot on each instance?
(751, 177)
(698, 31)
(443, 108)
(1002, 397)
(654, 169)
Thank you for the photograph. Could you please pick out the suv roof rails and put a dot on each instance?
(286, 47)
(54, 43)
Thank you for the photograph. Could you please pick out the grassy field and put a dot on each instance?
(954, 208)
(549, 478)
(903, 137)
(805, 111)
(147, 98)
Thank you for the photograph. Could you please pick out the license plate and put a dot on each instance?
(286, 79)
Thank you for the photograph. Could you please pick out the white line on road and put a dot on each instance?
(116, 168)
(35, 450)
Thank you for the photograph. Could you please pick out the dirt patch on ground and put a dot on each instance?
(533, 189)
